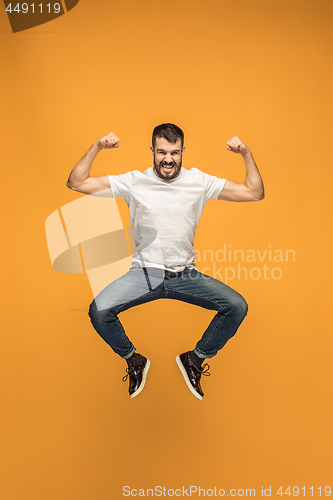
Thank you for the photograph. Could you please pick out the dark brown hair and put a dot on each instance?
(169, 131)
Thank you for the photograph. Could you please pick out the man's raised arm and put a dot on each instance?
(253, 188)
(80, 180)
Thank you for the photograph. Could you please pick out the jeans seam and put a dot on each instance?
(212, 334)
(133, 300)
(199, 296)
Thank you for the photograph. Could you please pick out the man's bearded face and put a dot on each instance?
(167, 158)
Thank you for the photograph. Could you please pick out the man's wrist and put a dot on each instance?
(247, 153)
(97, 146)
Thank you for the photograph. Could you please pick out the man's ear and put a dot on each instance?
(183, 150)
(152, 150)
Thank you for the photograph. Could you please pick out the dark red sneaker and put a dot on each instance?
(137, 373)
(192, 374)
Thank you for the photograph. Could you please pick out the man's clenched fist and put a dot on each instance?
(109, 141)
(237, 146)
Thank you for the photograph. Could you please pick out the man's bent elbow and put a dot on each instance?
(259, 196)
(71, 186)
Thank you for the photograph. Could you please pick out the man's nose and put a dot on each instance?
(168, 158)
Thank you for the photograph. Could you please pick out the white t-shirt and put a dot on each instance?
(165, 213)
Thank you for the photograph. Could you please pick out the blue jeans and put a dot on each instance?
(141, 285)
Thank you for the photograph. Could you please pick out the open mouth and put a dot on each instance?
(167, 167)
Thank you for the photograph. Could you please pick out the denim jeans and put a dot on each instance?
(141, 285)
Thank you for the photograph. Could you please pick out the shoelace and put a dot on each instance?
(204, 370)
(125, 377)
(129, 371)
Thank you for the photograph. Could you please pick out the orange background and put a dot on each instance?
(258, 69)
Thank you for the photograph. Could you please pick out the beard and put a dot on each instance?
(169, 174)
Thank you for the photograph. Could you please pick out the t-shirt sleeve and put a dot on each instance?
(121, 185)
(213, 186)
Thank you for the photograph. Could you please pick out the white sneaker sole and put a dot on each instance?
(187, 380)
(144, 376)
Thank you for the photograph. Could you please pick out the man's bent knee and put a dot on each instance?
(98, 315)
(239, 306)
(243, 306)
